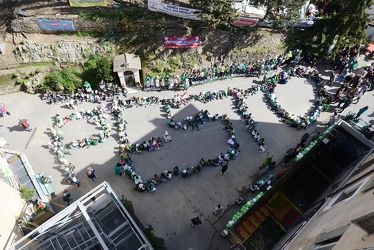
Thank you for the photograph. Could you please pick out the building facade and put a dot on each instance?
(346, 218)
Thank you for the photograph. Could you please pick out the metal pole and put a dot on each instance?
(319, 171)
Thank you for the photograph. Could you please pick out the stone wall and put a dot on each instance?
(65, 51)
(31, 25)
(101, 25)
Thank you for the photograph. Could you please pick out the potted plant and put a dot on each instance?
(26, 192)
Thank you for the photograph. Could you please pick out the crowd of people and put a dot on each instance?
(105, 92)
(219, 72)
(268, 86)
(124, 167)
(353, 88)
(240, 96)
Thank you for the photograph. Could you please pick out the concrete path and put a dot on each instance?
(175, 202)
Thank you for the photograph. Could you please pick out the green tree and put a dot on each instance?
(64, 80)
(347, 27)
(97, 68)
(343, 24)
(217, 13)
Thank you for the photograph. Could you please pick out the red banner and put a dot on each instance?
(246, 22)
(181, 42)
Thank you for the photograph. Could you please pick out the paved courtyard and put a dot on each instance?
(175, 202)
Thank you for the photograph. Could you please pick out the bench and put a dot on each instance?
(46, 188)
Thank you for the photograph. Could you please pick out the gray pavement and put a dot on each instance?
(175, 202)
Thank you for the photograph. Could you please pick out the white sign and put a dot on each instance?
(173, 10)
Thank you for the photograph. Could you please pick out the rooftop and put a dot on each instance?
(97, 220)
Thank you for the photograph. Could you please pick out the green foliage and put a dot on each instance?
(64, 80)
(217, 13)
(94, 15)
(135, 40)
(26, 192)
(343, 25)
(127, 204)
(84, 34)
(19, 81)
(156, 242)
(97, 68)
(347, 27)
(37, 70)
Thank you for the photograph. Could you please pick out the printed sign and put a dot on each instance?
(56, 25)
(173, 10)
(246, 22)
(181, 42)
(193, 14)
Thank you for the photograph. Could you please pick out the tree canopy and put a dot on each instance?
(97, 68)
(347, 27)
(217, 13)
(343, 24)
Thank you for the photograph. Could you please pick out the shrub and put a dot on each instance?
(127, 204)
(64, 80)
(26, 192)
(37, 70)
(19, 81)
(156, 242)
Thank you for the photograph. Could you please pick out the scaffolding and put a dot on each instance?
(98, 220)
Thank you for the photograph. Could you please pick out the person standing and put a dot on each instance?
(176, 171)
(304, 138)
(218, 210)
(118, 169)
(224, 168)
(76, 180)
(66, 196)
(91, 174)
(3, 110)
(346, 104)
(290, 154)
(266, 161)
(195, 221)
(332, 78)
(361, 111)
(359, 96)
(333, 118)
(195, 125)
(262, 147)
(24, 124)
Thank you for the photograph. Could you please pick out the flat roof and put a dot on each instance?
(126, 61)
(100, 223)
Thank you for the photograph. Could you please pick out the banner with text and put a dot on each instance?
(181, 42)
(246, 22)
(193, 14)
(173, 10)
(87, 3)
(56, 25)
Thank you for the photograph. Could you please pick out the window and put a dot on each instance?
(369, 187)
(365, 222)
(327, 244)
(326, 241)
(346, 194)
